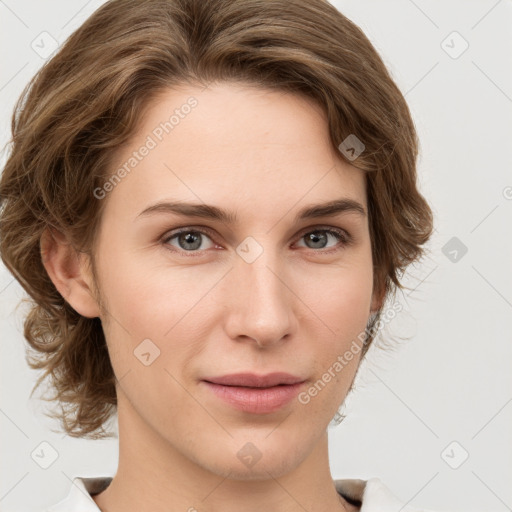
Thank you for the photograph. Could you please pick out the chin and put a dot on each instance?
(261, 459)
(274, 467)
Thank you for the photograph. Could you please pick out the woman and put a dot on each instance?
(210, 204)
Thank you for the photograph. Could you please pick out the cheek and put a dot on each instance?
(341, 309)
(163, 305)
(151, 334)
(145, 298)
(340, 298)
(340, 305)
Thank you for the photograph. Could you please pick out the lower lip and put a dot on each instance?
(256, 400)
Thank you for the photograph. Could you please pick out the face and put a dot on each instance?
(192, 297)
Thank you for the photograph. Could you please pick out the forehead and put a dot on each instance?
(232, 142)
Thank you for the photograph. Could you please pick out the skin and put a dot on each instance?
(264, 155)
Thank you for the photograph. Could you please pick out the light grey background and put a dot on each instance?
(418, 411)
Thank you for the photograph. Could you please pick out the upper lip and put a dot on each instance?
(256, 381)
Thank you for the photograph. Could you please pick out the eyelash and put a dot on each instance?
(342, 236)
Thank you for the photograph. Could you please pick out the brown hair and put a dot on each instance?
(86, 101)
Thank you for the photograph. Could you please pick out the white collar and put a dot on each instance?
(372, 494)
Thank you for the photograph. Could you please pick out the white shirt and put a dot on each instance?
(372, 494)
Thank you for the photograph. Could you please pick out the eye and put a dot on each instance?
(188, 240)
(319, 237)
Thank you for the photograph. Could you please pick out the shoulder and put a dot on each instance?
(372, 496)
(79, 496)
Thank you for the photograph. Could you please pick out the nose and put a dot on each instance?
(259, 303)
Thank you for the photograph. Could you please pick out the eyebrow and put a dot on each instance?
(328, 209)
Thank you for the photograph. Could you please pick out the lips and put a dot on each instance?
(256, 381)
(257, 394)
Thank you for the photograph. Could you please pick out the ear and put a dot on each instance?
(69, 272)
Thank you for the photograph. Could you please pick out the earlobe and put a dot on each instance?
(69, 271)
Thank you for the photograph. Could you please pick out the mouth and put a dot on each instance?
(257, 394)
(252, 380)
